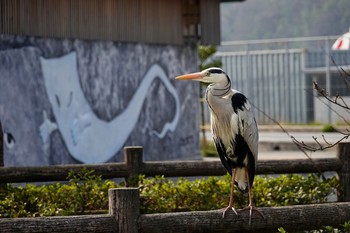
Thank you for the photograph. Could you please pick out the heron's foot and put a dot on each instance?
(229, 208)
(252, 208)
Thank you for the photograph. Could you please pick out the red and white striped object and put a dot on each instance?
(342, 43)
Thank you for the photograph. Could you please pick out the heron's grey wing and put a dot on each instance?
(245, 121)
(248, 128)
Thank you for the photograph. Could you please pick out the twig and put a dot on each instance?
(324, 93)
(324, 139)
(301, 146)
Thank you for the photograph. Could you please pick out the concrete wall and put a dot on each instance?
(72, 101)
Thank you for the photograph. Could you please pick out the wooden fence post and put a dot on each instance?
(124, 205)
(343, 154)
(133, 156)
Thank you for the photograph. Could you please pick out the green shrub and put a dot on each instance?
(164, 195)
(343, 228)
(293, 190)
(85, 193)
(328, 128)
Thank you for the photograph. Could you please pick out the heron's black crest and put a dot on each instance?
(216, 71)
(238, 101)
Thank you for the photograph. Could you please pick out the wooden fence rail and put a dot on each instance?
(85, 224)
(124, 217)
(166, 168)
(134, 166)
(291, 218)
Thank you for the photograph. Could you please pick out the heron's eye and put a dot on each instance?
(207, 74)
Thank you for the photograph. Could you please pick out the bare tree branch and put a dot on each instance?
(326, 95)
(301, 146)
(329, 107)
(324, 139)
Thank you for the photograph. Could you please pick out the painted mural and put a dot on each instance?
(72, 101)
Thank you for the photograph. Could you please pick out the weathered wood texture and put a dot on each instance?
(344, 172)
(59, 172)
(292, 218)
(151, 21)
(96, 223)
(124, 216)
(210, 19)
(133, 158)
(124, 205)
(206, 168)
(168, 169)
(133, 166)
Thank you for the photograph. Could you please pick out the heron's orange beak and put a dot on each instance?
(193, 76)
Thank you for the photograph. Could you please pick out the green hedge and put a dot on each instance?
(164, 195)
(84, 192)
(343, 228)
(87, 193)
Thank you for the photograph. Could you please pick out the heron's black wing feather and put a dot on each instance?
(238, 101)
(222, 154)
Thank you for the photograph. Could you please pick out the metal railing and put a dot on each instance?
(277, 74)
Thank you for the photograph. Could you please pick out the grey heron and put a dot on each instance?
(234, 129)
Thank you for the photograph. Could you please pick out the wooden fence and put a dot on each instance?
(124, 204)
(124, 216)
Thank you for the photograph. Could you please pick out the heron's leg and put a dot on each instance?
(231, 203)
(250, 206)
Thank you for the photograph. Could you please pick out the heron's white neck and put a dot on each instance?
(220, 89)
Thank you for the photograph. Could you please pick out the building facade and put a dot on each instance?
(79, 80)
